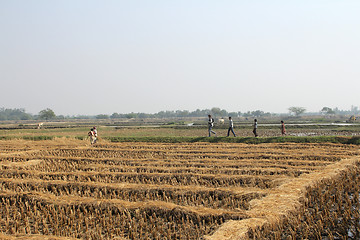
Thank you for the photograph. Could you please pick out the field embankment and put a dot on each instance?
(355, 140)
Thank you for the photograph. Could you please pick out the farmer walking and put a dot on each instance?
(211, 125)
(283, 131)
(255, 128)
(231, 127)
(93, 135)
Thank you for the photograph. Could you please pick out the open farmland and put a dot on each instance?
(164, 128)
(69, 189)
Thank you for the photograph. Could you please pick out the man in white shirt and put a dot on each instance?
(211, 125)
(255, 128)
(231, 127)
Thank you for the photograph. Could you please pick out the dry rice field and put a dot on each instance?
(67, 189)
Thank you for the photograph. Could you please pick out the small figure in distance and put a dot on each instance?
(93, 135)
(231, 127)
(95, 132)
(255, 128)
(283, 131)
(211, 125)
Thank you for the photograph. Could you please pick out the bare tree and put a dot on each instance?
(327, 110)
(297, 110)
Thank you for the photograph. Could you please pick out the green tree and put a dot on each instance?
(297, 110)
(257, 113)
(102, 116)
(115, 115)
(327, 110)
(131, 115)
(234, 114)
(47, 114)
(215, 111)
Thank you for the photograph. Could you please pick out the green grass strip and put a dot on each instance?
(249, 140)
(32, 138)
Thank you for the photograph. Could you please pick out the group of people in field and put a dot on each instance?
(231, 127)
(93, 134)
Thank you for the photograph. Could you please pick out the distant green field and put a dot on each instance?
(177, 133)
(250, 140)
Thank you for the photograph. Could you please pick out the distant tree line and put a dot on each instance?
(216, 112)
(20, 114)
(48, 114)
(353, 110)
(14, 114)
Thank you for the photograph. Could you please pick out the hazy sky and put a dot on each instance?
(100, 57)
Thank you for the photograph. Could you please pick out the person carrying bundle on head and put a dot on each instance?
(93, 135)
